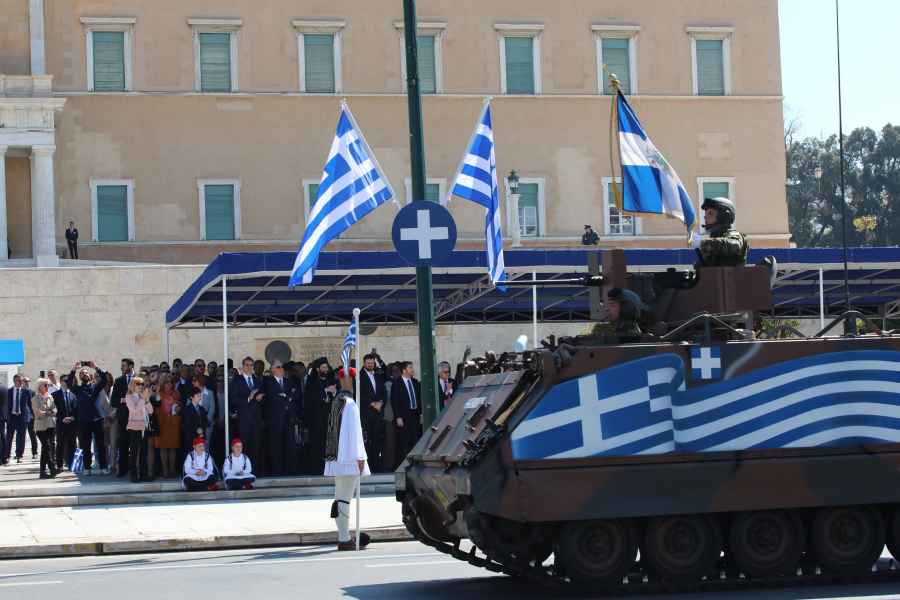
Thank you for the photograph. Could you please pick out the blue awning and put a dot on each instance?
(383, 285)
(12, 352)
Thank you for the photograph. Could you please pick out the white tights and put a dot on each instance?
(344, 486)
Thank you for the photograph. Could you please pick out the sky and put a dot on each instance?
(870, 71)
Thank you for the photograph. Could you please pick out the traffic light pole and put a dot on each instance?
(424, 289)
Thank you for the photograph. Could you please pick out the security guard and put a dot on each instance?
(590, 237)
(726, 246)
(623, 310)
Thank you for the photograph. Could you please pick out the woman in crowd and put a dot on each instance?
(207, 401)
(169, 439)
(110, 423)
(44, 409)
(139, 411)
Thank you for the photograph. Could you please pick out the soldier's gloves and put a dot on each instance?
(695, 240)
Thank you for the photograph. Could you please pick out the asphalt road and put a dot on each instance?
(389, 571)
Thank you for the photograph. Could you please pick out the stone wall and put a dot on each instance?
(106, 312)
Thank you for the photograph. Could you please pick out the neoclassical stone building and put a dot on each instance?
(171, 131)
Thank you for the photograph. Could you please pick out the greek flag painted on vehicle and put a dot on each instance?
(351, 188)
(650, 186)
(642, 407)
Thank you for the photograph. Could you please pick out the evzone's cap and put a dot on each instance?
(199, 440)
(340, 373)
(236, 441)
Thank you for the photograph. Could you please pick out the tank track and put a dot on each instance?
(720, 578)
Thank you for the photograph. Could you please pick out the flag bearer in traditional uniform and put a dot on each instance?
(199, 474)
(345, 460)
(237, 468)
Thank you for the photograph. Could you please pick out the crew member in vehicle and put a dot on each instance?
(726, 246)
(623, 309)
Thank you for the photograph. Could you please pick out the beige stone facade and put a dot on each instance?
(164, 137)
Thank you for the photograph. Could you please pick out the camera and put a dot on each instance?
(42, 374)
(85, 363)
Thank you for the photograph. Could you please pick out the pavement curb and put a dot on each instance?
(180, 544)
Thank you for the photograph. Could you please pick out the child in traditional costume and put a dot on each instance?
(199, 474)
(345, 460)
(236, 468)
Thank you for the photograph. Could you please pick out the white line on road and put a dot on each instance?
(416, 564)
(29, 583)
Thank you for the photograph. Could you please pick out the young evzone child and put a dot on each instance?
(199, 472)
(236, 468)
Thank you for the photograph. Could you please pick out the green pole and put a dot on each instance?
(424, 290)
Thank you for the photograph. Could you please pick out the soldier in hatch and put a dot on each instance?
(623, 310)
(726, 246)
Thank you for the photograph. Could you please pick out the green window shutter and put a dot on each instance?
(616, 56)
(215, 62)
(112, 213)
(427, 73)
(313, 192)
(715, 190)
(710, 68)
(433, 192)
(319, 51)
(519, 65)
(528, 208)
(219, 212)
(109, 61)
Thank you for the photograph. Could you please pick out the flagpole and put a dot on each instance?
(462, 162)
(365, 144)
(225, 350)
(359, 364)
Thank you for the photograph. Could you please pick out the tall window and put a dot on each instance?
(714, 187)
(319, 51)
(109, 61)
(528, 209)
(112, 210)
(426, 64)
(520, 62)
(619, 224)
(215, 62)
(710, 60)
(617, 59)
(220, 209)
(718, 189)
(429, 44)
(435, 189)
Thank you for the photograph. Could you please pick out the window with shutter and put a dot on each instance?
(219, 201)
(519, 65)
(109, 61)
(215, 62)
(715, 190)
(616, 55)
(427, 77)
(112, 213)
(710, 68)
(313, 192)
(528, 209)
(433, 192)
(619, 224)
(319, 53)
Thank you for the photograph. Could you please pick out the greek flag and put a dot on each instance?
(349, 344)
(352, 186)
(650, 186)
(642, 407)
(476, 180)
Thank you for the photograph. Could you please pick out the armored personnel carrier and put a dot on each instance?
(694, 456)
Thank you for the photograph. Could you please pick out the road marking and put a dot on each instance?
(415, 564)
(29, 583)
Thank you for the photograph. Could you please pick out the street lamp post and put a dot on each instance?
(513, 180)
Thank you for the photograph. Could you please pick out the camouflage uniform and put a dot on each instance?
(627, 327)
(725, 247)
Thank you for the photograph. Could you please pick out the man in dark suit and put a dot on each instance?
(18, 404)
(72, 239)
(117, 401)
(372, 398)
(282, 408)
(245, 397)
(4, 418)
(66, 425)
(185, 382)
(445, 384)
(406, 400)
(195, 417)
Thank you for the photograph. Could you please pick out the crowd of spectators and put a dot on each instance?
(147, 422)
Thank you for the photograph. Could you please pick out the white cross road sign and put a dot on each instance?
(424, 233)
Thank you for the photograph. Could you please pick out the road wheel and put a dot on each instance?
(766, 543)
(682, 548)
(893, 533)
(599, 552)
(847, 539)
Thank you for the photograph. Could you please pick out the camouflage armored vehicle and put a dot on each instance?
(718, 459)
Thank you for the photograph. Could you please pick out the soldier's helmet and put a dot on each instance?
(724, 208)
(629, 303)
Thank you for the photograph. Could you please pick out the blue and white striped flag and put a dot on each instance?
(352, 186)
(650, 186)
(349, 344)
(476, 180)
